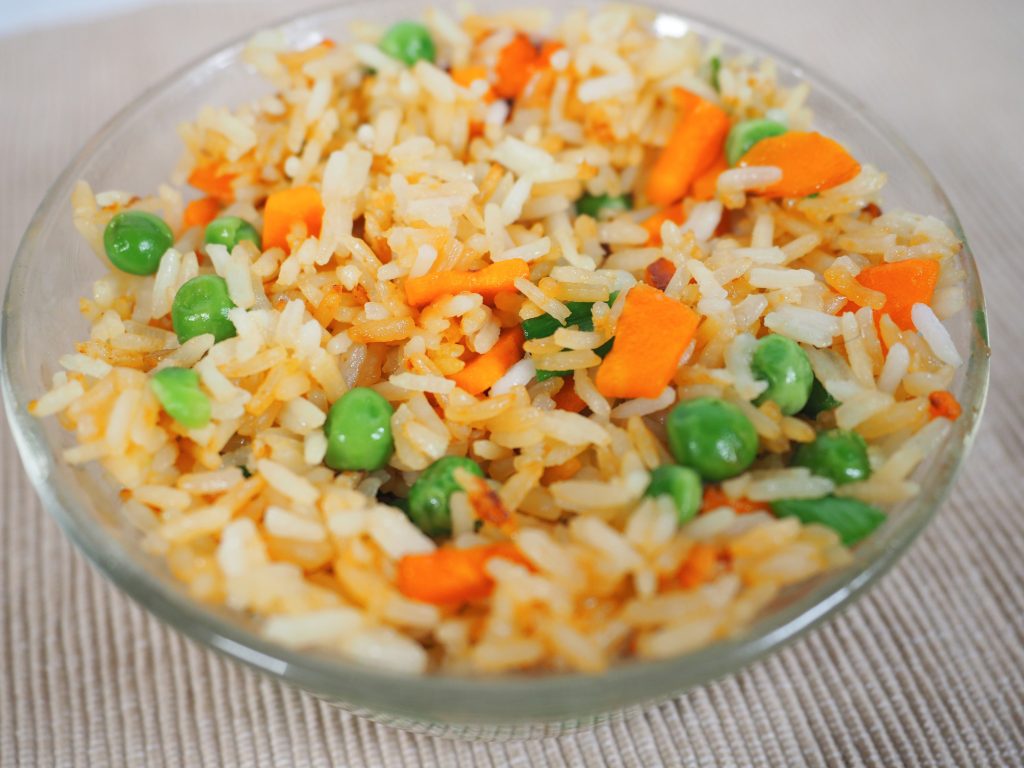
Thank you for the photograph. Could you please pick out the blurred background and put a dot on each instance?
(19, 16)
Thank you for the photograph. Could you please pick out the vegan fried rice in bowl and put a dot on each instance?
(491, 349)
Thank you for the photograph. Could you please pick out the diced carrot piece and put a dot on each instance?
(714, 497)
(705, 185)
(287, 208)
(466, 76)
(199, 213)
(481, 373)
(652, 224)
(810, 163)
(699, 567)
(695, 144)
(208, 178)
(497, 278)
(449, 576)
(943, 405)
(568, 400)
(651, 336)
(904, 283)
(518, 62)
(515, 67)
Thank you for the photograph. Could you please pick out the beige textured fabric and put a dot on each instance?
(925, 670)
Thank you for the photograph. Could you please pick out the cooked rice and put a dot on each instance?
(419, 175)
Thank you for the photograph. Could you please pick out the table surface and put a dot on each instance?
(925, 670)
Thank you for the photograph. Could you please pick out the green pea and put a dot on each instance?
(712, 436)
(229, 231)
(747, 133)
(179, 394)
(784, 365)
(819, 400)
(429, 495)
(358, 429)
(408, 42)
(682, 485)
(135, 241)
(201, 306)
(840, 456)
(850, 518)
(597, 205)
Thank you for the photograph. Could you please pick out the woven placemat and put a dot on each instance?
(925, 670)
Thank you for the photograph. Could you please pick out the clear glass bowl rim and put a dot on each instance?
(510, 699)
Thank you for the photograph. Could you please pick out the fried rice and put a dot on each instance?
(423, 170)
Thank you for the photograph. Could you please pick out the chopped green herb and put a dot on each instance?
(714, 69)
(601, 351)
(819, 400)
(851, 519)
(746, 133)
(580, 315)
(394, 500)
(595, 205)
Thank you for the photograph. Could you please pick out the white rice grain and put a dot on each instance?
(643, 406)
(551, 306)
(762, 277)
(300, 416)
(861, 407)
(435, 81)
(281, 522)
(164, 283)
(935, 334)
(897, 363)
(162, 496)
(528, 252)
(806, 325)
(386, 648)
(88, 366)
(598, 535)
(237, 274)
(737, 362)
(374, 58)
(518, 375)
(767, 255)
(748, 177)
(57, 399)
(395, 533)
(425, 258)
(703, 220)
(322, 628)
(605, 87)
(416, 382)
(793, 483)
(283, 480)
(216, 481)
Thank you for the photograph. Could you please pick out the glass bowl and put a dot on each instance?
(138, 148)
